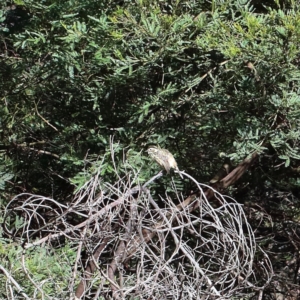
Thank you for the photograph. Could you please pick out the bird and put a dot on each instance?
(164, 158)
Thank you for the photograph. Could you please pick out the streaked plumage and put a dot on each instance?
(164, 158)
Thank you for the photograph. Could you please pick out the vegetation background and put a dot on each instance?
(211, 81)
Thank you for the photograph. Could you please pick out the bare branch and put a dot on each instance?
(13, 281)
(146, 247)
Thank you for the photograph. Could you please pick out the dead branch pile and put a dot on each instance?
(131, 244)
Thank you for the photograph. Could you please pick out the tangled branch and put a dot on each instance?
(143, 247)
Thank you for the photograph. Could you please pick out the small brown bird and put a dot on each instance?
(164, 158)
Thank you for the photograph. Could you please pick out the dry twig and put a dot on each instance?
(193, 250)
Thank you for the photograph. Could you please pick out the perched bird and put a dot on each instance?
(164, 158)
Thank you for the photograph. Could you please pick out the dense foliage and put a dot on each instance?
(204, 79)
